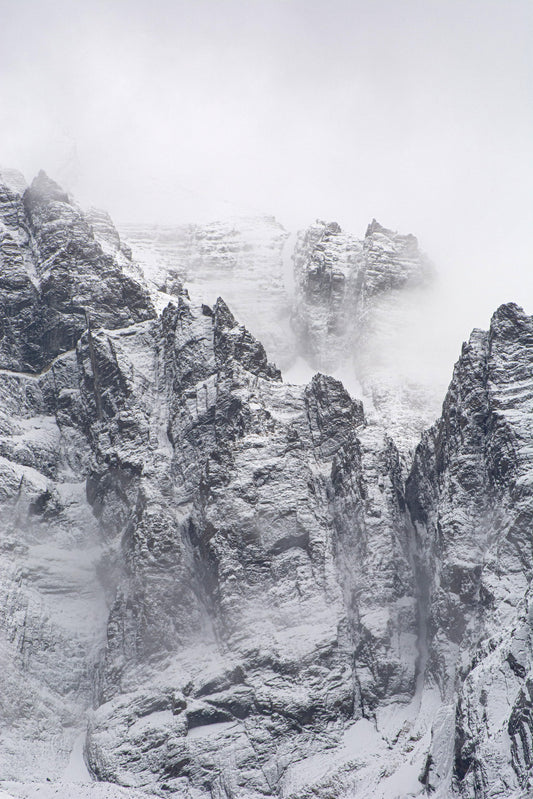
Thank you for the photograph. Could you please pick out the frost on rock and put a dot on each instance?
(245, 260)
(322, 300)
(54, 274)
(356, 307)
(218, 584)
(471, 499)
(230, 646)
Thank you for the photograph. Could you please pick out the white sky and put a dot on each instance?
(417, 113)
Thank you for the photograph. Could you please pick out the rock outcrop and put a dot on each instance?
(54, 274)
(325, 300)
(244, 259)
(345, 286)
(237, 504)
(355, 304)
(471, 498)
(55, 281)
(217, 584)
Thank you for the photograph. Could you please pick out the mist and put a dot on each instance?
(221, 578)
(415, 113)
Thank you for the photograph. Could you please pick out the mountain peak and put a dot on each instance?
(44, 188)
(375, 227)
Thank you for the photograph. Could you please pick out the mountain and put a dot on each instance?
(247, 260)
(219, 584)
(321, 300)
(359, 313)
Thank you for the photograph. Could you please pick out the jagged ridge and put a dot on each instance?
(231, 568)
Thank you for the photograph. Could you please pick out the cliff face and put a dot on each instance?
(322, 300)
(231, 643)
(54, 272)
(343, 282)
(246, 260)
(356, 301)
(226, 577)
(470, 496)
(224, 510)
(54, 281)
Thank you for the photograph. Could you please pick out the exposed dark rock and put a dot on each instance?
(54, 275)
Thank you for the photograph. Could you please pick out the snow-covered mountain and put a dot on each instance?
(320, 300)
(220, 584)
(247, 260)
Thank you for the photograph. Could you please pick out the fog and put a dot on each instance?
(416, 113)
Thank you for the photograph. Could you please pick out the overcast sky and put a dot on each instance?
(417, 113)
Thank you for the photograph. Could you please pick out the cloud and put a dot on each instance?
(416, 113)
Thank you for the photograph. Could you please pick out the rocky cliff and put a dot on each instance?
(470, 496)
(218, 584)
(247, 260)
(357, 305)
(323, 300)
(342, 281)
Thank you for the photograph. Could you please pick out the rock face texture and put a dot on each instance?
(219, 585)
(346, 287)
(246, 260)
(357, 314)
(324, 300)
(471, 499)
(234, 536)
(55, 281)
(54, 273)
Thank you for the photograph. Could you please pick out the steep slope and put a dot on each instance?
(342, 282)
(54, 272)
(219, 585)
(54, 280)
(325, 300)
(216, 562)
(236, 530)
(471, 497)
